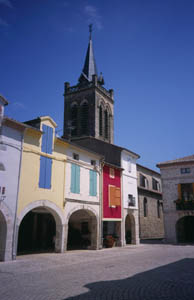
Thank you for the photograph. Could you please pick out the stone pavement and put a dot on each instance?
(135, 272)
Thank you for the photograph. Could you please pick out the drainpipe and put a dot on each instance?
(15, 229)
(101, 202)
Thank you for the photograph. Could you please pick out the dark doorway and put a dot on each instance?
(37, 232)
(128, 230)
(185, 230)
(82, 231)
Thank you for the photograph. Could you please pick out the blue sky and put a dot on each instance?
(145, 50)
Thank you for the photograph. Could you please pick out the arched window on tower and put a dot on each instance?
(100, 120)
(145, 207)
(84, 118)
(106, 125)
(73, 125)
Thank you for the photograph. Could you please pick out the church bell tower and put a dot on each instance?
(89, 107)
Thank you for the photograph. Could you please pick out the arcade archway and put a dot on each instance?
(129, 229)
(37, 232)
(82, 230)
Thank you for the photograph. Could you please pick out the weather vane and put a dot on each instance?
(90, 30)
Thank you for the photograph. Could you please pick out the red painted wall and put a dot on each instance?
(110, 212)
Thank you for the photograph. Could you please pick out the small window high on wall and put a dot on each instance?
(145, 207)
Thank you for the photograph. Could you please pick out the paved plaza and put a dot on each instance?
(135, 272)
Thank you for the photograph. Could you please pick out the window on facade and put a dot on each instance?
(111, 173)
(131, 200)
(93, 162)
(106, 127)
(145, 207)
(185, 170)
(186, 191)
(158, 208)
(114, 196)
(75, 156)
(84, 118)
(143, 181)
(2, 167)
(155, 184)
(74, 114)
(93, 183)
(75, 179)
(100, 121)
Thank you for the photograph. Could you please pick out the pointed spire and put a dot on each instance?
(89, 68)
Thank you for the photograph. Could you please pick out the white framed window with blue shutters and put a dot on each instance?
(93, 183)
(75, 179)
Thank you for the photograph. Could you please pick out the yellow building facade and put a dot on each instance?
(41, 192)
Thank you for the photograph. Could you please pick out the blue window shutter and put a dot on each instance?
(42, 173)
(73, 178)
(44, 139)
(94, 183)
(91, 183)
(77, 179)
(49, 139)
(48, 173)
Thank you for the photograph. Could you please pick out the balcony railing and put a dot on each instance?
(184, 205)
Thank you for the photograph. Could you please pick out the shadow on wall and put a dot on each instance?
(174, 282)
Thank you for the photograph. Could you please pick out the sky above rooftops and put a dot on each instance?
(143, 48)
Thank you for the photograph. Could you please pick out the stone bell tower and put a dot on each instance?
(89, 107)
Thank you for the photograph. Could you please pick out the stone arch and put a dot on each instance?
(56, 213)
(184, 229)
(130, 229)
(92, 217)
(6, 232)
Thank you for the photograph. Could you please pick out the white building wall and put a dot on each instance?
(129, 187)
(85, 166)
(129, 178)
(75, 202)
(10, 153)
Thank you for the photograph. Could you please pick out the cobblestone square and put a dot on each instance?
(134, 272)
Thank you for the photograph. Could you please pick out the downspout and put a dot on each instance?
(15, 229)
(101, 203)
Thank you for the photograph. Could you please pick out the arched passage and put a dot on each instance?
(37, 232)
(184, 230)
(41, 228)
(82, 230)
(3, 235)
(129, 229)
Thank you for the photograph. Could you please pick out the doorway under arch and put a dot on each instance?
(37, 232)
(185, 229)
(82, 230)
(3, 236)
(129, 230)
